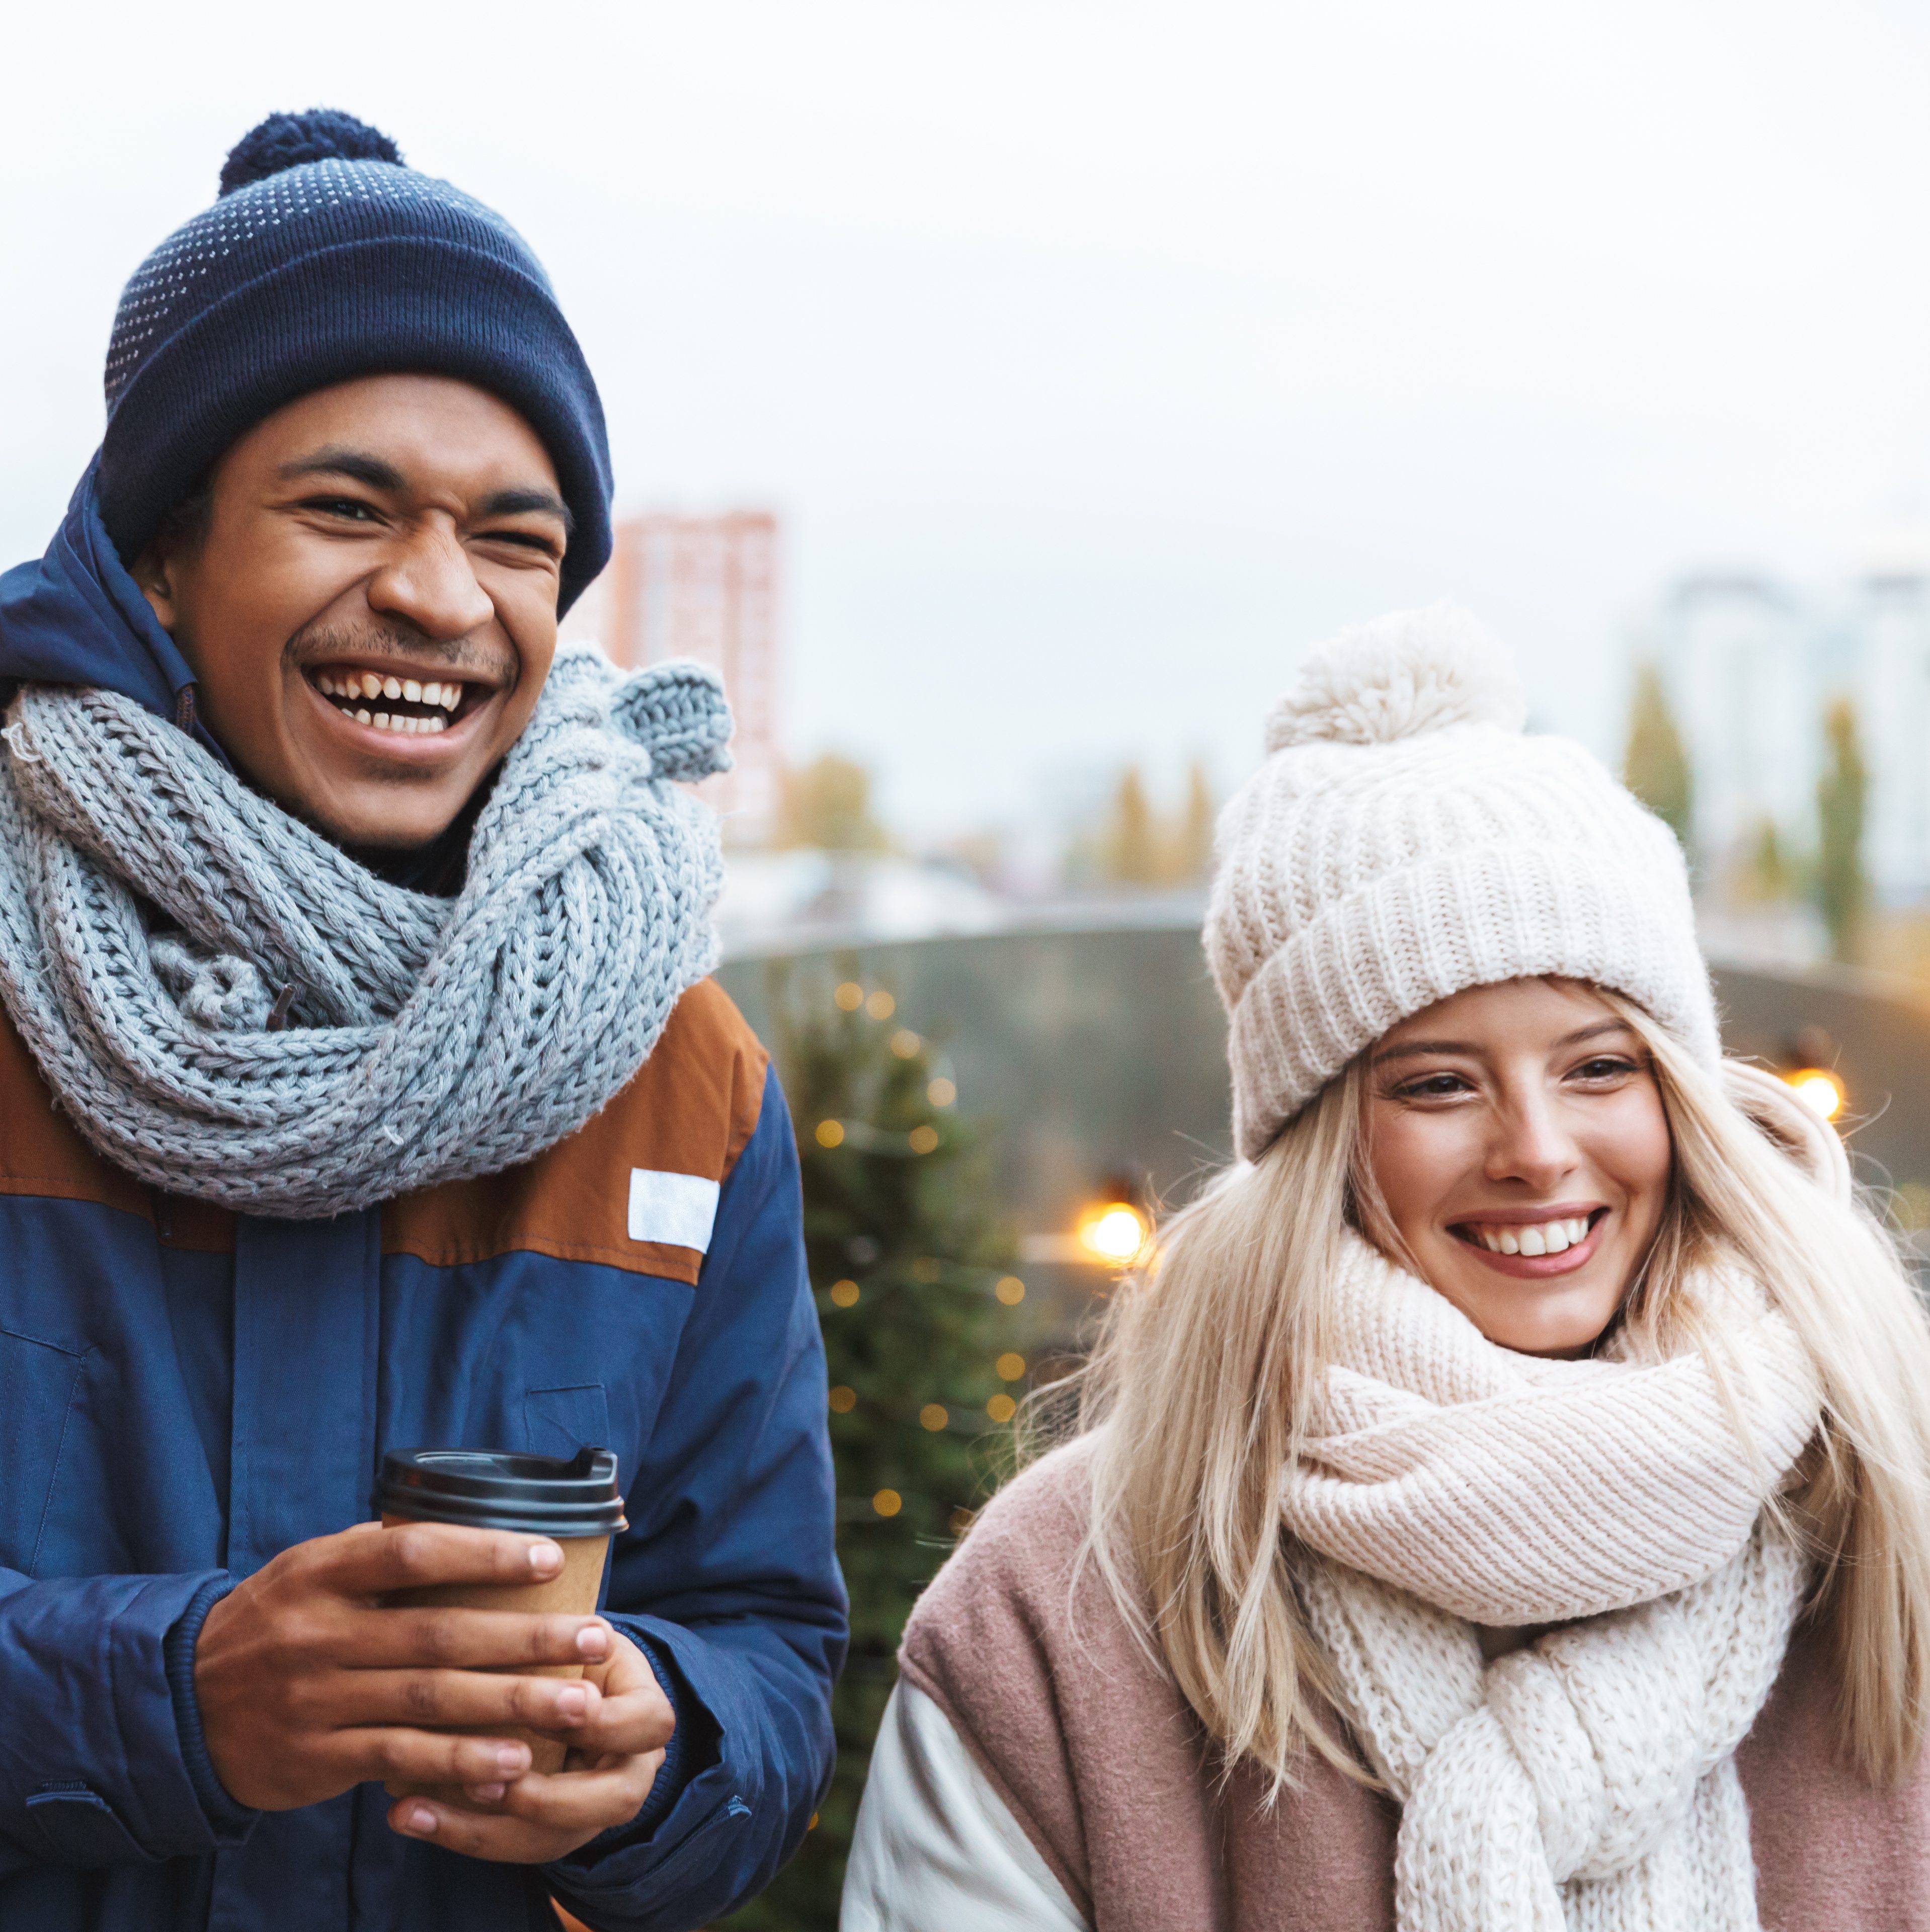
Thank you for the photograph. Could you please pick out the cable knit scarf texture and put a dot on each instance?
(234, 1010)
(1587, 1781)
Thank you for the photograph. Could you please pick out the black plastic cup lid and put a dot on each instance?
(492, 1489)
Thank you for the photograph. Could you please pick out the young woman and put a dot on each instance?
(1505, 1503)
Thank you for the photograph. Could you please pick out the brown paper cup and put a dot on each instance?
(572, 1591)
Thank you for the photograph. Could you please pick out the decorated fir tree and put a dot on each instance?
(923, 1331)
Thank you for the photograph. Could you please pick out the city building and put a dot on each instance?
(703, 587)
(1751, 665)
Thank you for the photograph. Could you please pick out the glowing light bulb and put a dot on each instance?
(1819, 1090)
(1116, 1232)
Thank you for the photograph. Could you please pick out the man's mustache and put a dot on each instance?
(317, 643)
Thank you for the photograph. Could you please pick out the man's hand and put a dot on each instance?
(308, 1685)
(614, 1756)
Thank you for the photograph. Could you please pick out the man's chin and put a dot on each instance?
(391, 817)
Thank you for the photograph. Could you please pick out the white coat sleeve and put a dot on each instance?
(936, 1846)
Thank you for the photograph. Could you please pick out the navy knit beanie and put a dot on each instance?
(324, 259)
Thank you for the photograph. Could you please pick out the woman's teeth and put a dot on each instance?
(1531, 1237)
(372, 700)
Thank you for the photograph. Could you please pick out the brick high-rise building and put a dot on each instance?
(703, 587)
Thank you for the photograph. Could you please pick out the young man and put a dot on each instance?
(361, 1089)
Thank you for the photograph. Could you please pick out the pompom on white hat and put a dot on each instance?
(1405, 840)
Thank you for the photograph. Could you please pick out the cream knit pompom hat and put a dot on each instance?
(1405, 841)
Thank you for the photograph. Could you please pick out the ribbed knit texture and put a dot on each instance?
(1586, 1781)
(1511, 1489)
(426, 1039)
(321, 272)
(1404, 841)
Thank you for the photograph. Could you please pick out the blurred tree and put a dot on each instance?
(1190, 849)
(1131, 855)
(922, 1320)
(827, 804)
(1766, 876)
(1655, 766)
(1842, 890)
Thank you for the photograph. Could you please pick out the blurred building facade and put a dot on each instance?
(704, 587)
(1749, 664)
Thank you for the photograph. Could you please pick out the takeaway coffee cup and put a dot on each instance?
(574, 1501)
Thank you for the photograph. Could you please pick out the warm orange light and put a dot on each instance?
(843, 1401)
(1819, 1090)
(881, 1005)
(1011, 1367)
(933, 1417)
(850, 996)
(830, 1133)
(1113, 1231)
(905, 1043)
(1010, 1290)
(843, 1294)
(940, 1092)
(1002, 1409)
(922, 1140)
(887, 1502)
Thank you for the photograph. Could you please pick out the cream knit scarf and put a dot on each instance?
(1587, 1781)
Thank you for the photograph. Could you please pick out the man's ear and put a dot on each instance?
(155, 570)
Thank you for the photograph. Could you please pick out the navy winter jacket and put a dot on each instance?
(185, 1392)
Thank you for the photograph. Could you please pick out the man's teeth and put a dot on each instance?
(367, 686)
(1533, 1238)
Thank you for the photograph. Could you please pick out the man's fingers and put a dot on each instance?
(635, 1722)
(430, 1699)
(397, 1755)
(418, 1555)
(506, 1840)
(472, 1639)
(581, 1801)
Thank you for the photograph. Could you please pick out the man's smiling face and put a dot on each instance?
(371, 609)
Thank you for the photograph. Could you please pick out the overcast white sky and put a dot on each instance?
(1100, 356)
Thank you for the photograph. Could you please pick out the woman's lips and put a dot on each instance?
(1538, 1268)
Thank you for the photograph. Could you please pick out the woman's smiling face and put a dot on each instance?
(1517, 1139)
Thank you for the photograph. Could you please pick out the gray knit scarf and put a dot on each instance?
(234, 1010)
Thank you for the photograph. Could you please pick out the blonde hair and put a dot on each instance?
(1208, 1360)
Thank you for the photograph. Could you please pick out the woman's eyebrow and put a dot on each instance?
(1594, 1032)
(1414, 1049)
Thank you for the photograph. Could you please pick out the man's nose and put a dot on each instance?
(430, 582)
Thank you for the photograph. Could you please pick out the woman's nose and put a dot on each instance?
(1529, 1144)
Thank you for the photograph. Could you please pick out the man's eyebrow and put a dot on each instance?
(1414, 1049)
(521, 502)
(355, 464)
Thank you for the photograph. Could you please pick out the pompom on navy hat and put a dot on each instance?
(326, 258)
